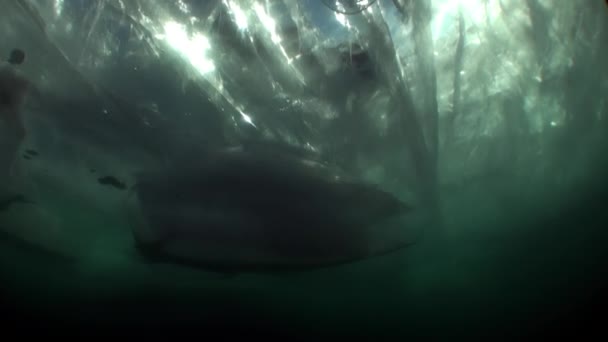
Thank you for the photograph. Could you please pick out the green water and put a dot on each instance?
(492, 270)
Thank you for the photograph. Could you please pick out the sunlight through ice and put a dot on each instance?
(194, 48)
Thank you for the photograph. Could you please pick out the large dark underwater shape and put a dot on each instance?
(308, 170)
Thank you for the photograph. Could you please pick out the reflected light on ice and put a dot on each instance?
(194, 48)
(58, 6)
(268, 23)
(240, 18)
(247, 118)
(476, 12)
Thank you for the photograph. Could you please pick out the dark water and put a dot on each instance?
(537, 268)
(516, 250)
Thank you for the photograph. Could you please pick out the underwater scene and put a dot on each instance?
(304, 169)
